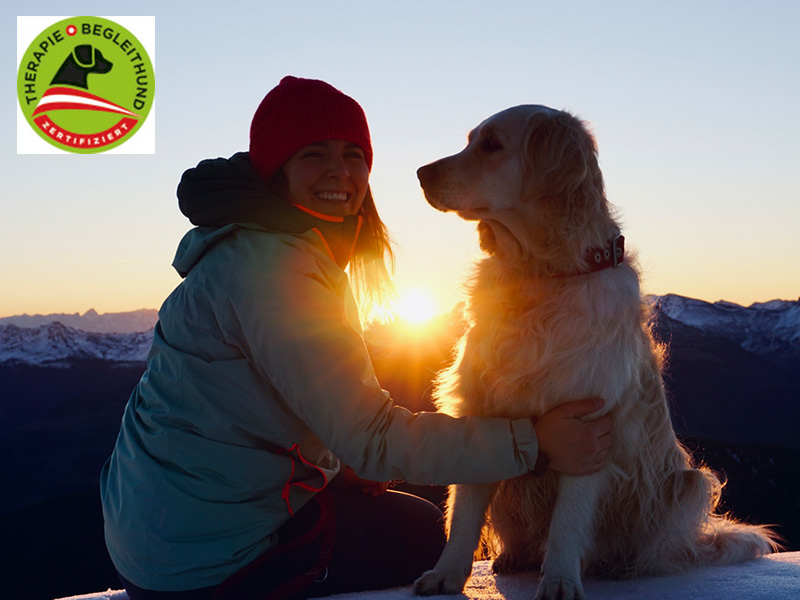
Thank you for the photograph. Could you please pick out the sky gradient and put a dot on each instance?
(694, 105)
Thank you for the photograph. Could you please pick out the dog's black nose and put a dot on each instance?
(427, 174)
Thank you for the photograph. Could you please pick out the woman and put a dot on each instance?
(259, 388)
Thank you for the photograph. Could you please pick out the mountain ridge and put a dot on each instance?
(763, 328)
(55, 344)
(134, 321)
(769, 328)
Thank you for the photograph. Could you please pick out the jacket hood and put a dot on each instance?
(222, 194)
(196, 243)
(221, 191)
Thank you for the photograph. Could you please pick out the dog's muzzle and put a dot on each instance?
(428, 174)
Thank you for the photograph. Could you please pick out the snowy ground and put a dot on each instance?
(776, 577)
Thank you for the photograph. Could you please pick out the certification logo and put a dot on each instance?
(85, 85)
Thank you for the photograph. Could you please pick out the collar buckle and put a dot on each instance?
(617, 250)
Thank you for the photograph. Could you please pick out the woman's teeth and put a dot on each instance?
(332, 196)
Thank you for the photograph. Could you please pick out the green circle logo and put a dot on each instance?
(85, 85)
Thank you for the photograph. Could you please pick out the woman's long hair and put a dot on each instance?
(371, 266)
(371, 263)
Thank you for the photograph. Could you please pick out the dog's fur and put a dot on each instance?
(538, 335)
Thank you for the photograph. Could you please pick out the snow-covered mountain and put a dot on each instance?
(762, 328)
(54, 343)
(767, 328)
(125, 322)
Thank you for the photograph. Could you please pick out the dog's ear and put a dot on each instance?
(84, 55)
(561, 155)
(563, 178)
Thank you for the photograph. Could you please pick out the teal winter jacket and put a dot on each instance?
(258, 388)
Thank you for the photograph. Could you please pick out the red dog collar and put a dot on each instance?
(609, 256)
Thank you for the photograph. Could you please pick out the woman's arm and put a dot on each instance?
(293, 318)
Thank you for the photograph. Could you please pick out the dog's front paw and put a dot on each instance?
(433, 583)
(560, 589)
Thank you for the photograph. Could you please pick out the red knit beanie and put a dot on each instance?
(298, 112)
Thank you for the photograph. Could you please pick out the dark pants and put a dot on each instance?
(380, 543)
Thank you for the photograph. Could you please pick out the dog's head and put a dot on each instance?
(79, 64)
(530, 176)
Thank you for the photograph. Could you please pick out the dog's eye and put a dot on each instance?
(490, 144)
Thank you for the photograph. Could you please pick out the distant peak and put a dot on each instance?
(727, 304)
(773, 304)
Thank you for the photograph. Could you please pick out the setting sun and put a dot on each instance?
(416, 306)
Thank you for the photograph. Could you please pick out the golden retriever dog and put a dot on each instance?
(555, 312)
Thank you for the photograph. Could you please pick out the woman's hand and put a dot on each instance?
(573, 445)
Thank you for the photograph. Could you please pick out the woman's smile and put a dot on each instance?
(329, 177)
(333, 196)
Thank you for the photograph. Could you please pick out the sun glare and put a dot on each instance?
(416, 306)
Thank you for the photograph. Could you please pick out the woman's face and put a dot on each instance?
(330, 177)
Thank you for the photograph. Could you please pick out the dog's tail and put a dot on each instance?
(720, 539)
(663, 523)
(735, 542)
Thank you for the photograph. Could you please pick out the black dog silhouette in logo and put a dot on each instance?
(83, 59)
